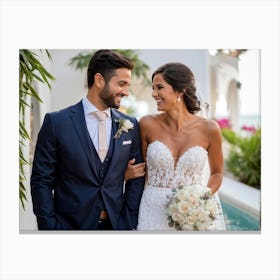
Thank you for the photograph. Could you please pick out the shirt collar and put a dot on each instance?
(89, 107)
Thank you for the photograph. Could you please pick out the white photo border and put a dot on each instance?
(136, 25)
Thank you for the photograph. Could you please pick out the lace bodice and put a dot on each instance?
(165, 172)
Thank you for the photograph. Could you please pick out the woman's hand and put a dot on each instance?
(134, 170)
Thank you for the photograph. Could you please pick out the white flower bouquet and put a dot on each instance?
(191, 208)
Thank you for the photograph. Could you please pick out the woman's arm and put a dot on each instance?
(215, 156)
(138, 170)
(134, 170)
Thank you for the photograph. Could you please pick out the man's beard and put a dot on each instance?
(108, 98)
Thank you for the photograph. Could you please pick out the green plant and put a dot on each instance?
(81, 61)
(244, 160)
(30, 70)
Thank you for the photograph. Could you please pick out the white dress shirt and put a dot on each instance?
(92, 122)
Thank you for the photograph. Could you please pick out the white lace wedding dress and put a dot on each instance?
(163, 175)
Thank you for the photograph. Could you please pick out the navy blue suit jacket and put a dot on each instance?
(66, 186)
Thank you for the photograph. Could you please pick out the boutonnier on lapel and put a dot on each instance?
(124, 125)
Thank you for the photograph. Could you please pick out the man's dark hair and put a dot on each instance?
(106, 62)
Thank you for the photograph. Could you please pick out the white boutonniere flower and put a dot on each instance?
(124, 125)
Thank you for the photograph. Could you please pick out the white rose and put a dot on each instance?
(177, 217)
(184, 207)
(191, 219)
(124, 125)
(204, 224)
(201, 226)
(187, 227)
(193, 200)
(199, 213)
(181, 195)
(211, 206)
(127, 124)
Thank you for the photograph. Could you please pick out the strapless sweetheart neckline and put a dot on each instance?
(182, 155)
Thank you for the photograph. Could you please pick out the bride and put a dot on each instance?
(177, 145)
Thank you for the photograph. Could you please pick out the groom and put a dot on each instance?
(77, 180)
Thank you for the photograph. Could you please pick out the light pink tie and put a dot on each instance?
(102, 134)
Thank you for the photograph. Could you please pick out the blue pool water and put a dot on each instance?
(237, 219)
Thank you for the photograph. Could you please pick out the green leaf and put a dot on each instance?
(35, 94)
(244, 160)
(23, 131)
(30, 69)
(22, 194)
(49, 56)
(23, 103)
(37, 78)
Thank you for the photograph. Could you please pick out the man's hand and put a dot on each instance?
(134, 170)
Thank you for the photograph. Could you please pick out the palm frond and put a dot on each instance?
(30, 70)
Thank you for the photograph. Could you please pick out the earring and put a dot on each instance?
(178, 99)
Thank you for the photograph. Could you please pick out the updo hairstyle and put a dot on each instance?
(181, 78)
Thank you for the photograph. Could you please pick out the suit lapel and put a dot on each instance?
(115, 143)
(78, 118)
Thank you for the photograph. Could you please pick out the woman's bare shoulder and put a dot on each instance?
(208, 126)
(149, 119)
(212, 127)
